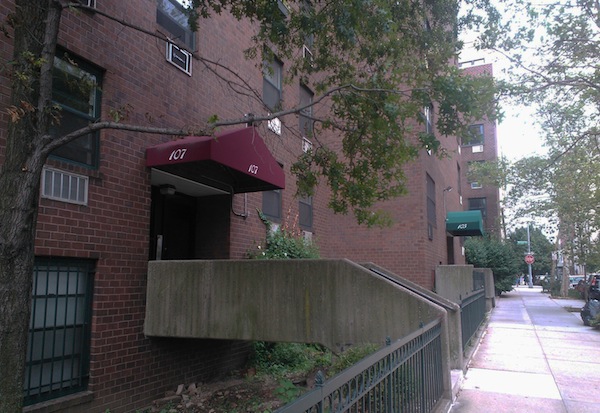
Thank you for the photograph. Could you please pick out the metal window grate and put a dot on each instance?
(64, 186)
(58, 343)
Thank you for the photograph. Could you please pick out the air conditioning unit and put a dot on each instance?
(180, 58)
(476, 185)
(307, 236)
(274, 125)
(306, 145)
(89, 3)
(477, 148)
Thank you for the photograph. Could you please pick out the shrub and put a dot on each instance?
(285, 242)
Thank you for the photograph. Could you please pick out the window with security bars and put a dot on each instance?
(64, 186)
(58, 349)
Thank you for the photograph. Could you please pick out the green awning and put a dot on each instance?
(464, 223)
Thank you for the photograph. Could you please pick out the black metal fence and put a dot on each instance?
(472, 314)
(405, 376)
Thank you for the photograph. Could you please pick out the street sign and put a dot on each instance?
(529, 259)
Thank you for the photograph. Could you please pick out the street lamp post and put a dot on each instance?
(529, 253)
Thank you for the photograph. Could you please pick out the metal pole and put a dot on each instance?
(529, 253)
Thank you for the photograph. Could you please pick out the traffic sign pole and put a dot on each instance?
(529, 255)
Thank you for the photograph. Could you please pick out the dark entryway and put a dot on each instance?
(186, 227)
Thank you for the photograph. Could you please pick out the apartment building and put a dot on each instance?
(111, 201)
(481, 147)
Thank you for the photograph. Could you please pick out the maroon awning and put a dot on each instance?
(237, 160)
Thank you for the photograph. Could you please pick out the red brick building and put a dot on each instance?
(114, 200)
(482, 147)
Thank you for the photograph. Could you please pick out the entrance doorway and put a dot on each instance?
(186, 227)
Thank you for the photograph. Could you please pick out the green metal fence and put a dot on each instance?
(58, 344)
(405, 376)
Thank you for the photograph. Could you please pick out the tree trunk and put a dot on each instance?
(35, 32)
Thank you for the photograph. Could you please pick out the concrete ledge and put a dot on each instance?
(61, 404)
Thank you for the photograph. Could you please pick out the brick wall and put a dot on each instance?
(127, 369)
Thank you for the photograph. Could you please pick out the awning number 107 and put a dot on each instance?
(177, 154)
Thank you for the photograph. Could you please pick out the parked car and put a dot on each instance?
(594, 289)
(589, 311)
(574, 280)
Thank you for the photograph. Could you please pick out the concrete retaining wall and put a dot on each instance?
(333, 302)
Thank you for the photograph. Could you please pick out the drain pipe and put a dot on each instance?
(244, 214)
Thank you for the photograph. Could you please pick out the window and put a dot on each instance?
(171, 15)
(475, 135)
(309, 38)
(306, 114)
(474, 184)
(305, 219)
(428, 119)
(272, 83)
(76, 89)
(271, 204)
(459, 182)
(283, 7)
(58, 346)
(431, 207)
(64, 186)
(478, 204)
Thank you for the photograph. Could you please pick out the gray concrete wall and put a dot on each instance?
(455, 350)
(454, 282)
(333, 302)
(490, 289)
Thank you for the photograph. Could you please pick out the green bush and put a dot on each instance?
(286, 242)
(282, 359)
(487, 252)
(352, 356)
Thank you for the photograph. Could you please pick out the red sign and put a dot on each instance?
(529, 259)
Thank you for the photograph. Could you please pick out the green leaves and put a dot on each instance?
(373, 65)
(485, 252)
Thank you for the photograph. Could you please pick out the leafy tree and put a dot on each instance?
(540, 246)
(376, 65)
(552, 50)
(486, 252)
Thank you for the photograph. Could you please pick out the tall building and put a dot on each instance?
(482, 146)
(113, 200)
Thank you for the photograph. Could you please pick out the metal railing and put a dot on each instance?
(405, 376)
(472, 315)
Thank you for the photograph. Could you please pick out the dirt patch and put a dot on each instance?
(234, 395)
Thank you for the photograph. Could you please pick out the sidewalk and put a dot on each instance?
(534, 356)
